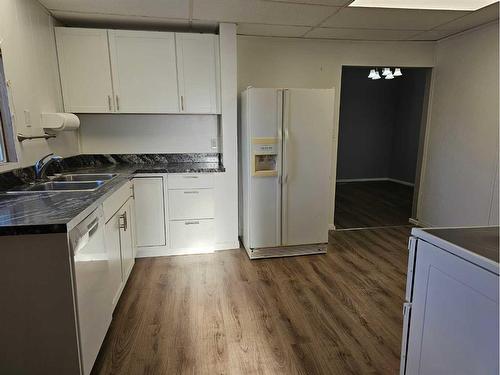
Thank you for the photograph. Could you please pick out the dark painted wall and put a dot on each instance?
(379, 125)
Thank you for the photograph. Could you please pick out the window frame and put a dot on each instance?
(7, 142)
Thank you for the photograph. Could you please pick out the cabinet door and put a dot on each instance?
(454, 316)
(144, 71)
(149, 211)
(197, 68)
(85, 70)
(126, 239)
(112, 234)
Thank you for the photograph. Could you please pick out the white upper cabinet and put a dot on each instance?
(144, 71)
(125, 71)
(198, 72)
(85, 70)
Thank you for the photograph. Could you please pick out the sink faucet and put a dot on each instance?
(42, 165)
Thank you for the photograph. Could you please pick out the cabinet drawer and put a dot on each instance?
(115, 201)
(191, 181)
(191, 204)
(192, 234)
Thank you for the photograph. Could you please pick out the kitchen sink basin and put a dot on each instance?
(85, 177)
(58, 186)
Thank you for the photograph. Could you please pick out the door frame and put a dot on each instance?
(425, 122)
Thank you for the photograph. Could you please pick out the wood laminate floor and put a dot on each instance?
(372, 204)
(339, 313)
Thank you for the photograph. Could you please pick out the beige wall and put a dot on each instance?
(288, 62)
(460, 169)
(28, 49)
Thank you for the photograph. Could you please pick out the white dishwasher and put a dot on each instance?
(94, 310)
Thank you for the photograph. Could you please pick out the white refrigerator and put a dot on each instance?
(286, 151)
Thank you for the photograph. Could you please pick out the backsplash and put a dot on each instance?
(25, 175)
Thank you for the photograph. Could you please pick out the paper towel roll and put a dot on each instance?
(60, 121)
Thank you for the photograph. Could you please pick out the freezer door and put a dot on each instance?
(264, 199)
(307, 157)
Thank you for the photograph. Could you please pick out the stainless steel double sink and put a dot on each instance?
(73, 182)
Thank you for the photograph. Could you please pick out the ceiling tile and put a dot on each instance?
(360, 34)
(395, 19)
(152, 8)
(260, 11)
(479, 17)
(116, 21)
(271, 30)
(335, 3)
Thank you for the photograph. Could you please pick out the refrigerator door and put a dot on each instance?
(264, 198)
(307, 157)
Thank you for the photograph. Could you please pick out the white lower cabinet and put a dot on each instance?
(119, 237)
(191, 203)
(198, 235)
(126, 239)
(112, 233)
(150, 211)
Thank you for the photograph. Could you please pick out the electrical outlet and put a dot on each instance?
(214, 143)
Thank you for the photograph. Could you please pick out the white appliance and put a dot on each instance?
(91, 274)
(287, 137)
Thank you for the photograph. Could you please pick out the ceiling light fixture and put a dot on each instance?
(469, 5)
(386, 72)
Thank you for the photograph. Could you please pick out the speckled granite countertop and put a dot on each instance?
(58, 212)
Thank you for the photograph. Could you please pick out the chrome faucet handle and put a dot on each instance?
(42, 164)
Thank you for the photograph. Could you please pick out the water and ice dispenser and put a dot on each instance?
(265, 157)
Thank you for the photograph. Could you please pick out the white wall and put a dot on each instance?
(461, 164)
(288, 62)
(28, 50)
(227, 183)
(129, 134)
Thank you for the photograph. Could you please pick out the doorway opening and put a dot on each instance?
(380, 146)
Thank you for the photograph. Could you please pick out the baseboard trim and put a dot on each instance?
(331, 227)
(419, 223)
(376, 179)
(163, 251)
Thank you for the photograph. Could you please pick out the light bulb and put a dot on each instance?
(372, 73)
(389, 76)
(386, 71)
(376, 76)
(397, 72)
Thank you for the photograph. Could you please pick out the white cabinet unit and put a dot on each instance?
(126, 238)
(144, 71)
(451, 314)
(197, 67)
(85, 70)
(197, 235)
(191, 204)
(112, 235)
(119, 237)
(149, 211)
(125, 71)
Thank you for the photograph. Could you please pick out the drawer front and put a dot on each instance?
(191, 204)
(116, 200)
(192, 234)
(191, 181)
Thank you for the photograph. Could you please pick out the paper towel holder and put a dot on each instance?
(22, 137)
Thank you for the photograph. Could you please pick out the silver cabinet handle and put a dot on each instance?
(191, 223)
(182, 102)
(109, 102)
(117, 103)
(123, 223)
(191, 192)
(190, 176)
